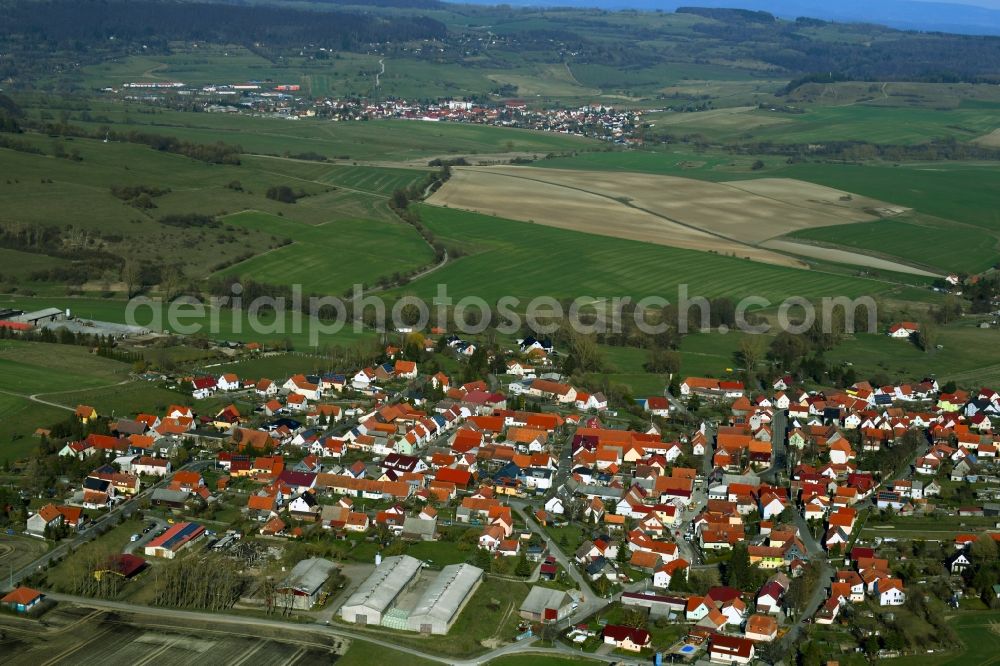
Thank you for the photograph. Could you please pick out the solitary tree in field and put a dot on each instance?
(170, 281)
(751, 350)
(130, 276)
(927, 336)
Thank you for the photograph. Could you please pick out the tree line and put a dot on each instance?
(81, 25)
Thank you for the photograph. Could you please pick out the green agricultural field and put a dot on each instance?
(395, 140)
(273, 367)
(19, 418)
(539, 659)
(25, 262)
(960, 191)
(227, 326)
(669, 161)
(624, 366)
(941, 193)
(127, 399)
(708, 354)
(964, 356)
(534, 260)
(361, 653)
(33, 367)
(205, 65)
(977, 631)
(941, 246)
(373, 180)
(876, 124)
(895, 125)
(333, 257)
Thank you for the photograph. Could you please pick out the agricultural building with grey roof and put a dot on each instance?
(302, 587)
(443, 600)
(379, 592)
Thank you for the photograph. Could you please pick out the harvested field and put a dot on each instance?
(845, 257)
(18, 551)
(991, 140)
(564, 207)
(728, 218)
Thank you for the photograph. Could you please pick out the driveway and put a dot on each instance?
(160, 524)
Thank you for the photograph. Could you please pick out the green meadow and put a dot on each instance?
(330, 258)
(57, 372)
(964, 356)
(127, 399)
(19, 418)
(818, 123)
(978, 632)
(940, 245)
(273, 367)
(29, 368)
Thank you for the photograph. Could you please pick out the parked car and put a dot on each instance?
(135, 537)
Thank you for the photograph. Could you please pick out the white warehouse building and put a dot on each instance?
(378, 593)
(443, 600)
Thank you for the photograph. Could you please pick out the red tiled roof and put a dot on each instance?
(21, 595)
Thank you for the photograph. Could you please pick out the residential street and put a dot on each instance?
(92, 531)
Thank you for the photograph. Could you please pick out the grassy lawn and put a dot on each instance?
(274, 367)
(663, 634)
(441, 553)
(361, 653)
(536, 659)
(61, 576)
(708, 354)
(19, 418)
(573, 534)
(128, 399)
(977, 631)
(962, 358)
(38, 367)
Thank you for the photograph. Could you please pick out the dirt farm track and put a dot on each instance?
(733, 218)
(18, 551)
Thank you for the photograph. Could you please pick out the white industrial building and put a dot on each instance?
(443, 600)
(395, 595)
(378, 593)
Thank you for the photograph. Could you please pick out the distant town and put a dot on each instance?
(620, 126)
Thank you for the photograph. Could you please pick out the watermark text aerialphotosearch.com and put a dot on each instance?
(323, 316)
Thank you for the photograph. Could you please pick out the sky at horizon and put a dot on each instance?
(989, 4)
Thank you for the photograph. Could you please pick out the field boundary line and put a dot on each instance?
(808, 267)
